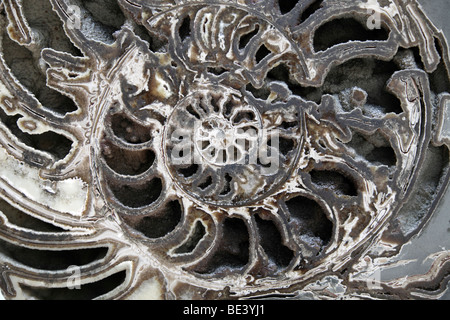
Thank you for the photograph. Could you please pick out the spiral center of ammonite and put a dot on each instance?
(220, 151)
(221, 142)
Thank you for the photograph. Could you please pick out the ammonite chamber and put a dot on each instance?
(174, 149)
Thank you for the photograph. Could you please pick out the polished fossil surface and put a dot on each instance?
(178, 149)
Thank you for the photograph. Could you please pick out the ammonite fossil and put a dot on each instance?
(175, 149)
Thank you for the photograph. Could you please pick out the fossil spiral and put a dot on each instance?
(175, 149)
